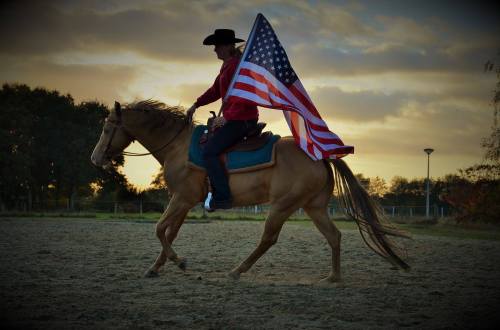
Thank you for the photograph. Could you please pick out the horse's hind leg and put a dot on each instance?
(319, 216)
(274, 223)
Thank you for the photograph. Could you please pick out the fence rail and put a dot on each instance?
(140, 207)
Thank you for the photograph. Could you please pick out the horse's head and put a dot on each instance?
(114, 139)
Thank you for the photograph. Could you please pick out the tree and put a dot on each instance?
(16, 121)
(377, 187)
(491, 144)
(479, 200)
(46, 142)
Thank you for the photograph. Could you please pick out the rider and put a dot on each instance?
(237, 120)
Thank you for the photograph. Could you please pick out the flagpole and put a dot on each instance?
(242, 57)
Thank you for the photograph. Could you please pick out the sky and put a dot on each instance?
(389, 77)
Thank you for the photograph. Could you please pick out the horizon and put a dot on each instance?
(389, 79)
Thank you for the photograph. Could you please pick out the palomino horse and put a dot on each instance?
(294, 182)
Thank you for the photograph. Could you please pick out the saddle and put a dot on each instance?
(255, 139)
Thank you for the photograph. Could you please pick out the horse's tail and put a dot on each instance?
(372, 225)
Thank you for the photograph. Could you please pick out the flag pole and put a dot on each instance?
(250, 36)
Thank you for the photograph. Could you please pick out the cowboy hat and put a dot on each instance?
(221, 37)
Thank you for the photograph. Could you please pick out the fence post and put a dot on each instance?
(393, 211)
(255, 209)
(411, 212)
(116, 207)
(442, 212)
(140, 206)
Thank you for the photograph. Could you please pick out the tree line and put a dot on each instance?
(46, 140)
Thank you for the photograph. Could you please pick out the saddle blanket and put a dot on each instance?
(235, 161)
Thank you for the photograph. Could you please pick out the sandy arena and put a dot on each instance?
(88, 274)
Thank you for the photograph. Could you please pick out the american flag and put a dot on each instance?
(264, 77)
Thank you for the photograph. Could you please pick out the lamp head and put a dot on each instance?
(428, 150)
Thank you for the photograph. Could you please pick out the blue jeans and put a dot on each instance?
(225, 137)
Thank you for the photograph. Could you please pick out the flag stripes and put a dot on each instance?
(264, 77)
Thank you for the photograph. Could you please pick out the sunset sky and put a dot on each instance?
(389, 77)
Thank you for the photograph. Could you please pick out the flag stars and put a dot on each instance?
(267, 52)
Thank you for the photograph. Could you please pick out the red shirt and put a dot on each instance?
(234, 110)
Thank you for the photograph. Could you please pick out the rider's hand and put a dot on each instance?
(219, 121)
(190, 112)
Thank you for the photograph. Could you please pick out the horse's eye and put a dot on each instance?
(106, 131)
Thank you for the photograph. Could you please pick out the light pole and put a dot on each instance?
(428, 151)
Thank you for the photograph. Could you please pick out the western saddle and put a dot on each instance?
(254, 140)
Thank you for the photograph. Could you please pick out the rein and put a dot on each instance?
(118, 124)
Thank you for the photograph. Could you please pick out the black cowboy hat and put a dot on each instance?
(221, 37)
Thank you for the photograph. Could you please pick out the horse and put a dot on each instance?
(166, 133)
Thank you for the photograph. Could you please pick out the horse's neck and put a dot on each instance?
(166, 143)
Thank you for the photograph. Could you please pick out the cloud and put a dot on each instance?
(324, 39)
(172, 32)
(83, 82)
(188, 94)
(359, 106)
(451, 129)
(404, 30)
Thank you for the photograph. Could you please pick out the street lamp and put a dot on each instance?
(428, 151)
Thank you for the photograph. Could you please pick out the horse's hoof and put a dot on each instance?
(151, 273)
(234, 275)
(182, 264)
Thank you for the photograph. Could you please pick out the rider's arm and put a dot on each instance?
(211, 95)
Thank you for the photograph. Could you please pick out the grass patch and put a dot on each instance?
(419, 227)
(47, 215)
(453, 231)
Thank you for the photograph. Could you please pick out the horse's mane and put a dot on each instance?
(159, 110)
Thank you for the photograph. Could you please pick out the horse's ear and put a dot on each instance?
(118, 108)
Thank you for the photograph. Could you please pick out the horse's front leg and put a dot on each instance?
(167, 229)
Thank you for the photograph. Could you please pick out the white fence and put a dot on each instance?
(140, 207)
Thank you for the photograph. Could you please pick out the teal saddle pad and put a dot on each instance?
(235, 160)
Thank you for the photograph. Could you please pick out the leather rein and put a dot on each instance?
(118, 124)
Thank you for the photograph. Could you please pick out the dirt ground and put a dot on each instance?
(84, 273)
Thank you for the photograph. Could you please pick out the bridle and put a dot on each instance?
(118, 124)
